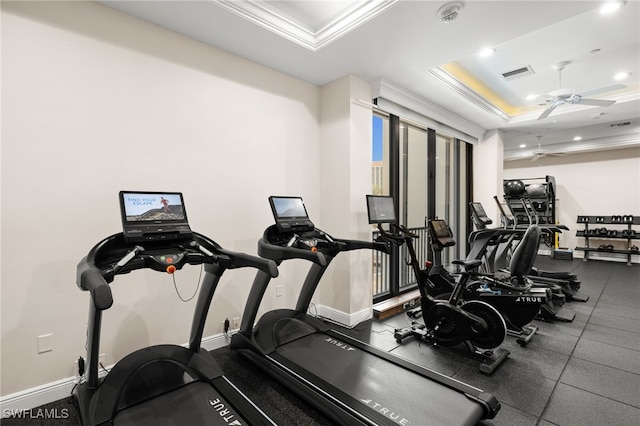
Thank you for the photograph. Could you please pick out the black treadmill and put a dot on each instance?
(163, 384)
(348, 380)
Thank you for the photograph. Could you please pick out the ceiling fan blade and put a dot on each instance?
(604, 89)
(549, 110)
(595, 102)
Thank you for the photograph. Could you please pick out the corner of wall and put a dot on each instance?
(346, 156)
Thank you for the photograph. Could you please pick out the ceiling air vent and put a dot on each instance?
(626, 123)
(519, 73)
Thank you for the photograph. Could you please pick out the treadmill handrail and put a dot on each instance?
(114, 256)
(244, 260)
(280, 253)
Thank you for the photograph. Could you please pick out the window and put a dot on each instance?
(430, 180)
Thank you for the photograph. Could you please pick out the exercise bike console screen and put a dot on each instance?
(153, 216)
(441, 232)
(290, 214)
(478, 210)
(380, 209)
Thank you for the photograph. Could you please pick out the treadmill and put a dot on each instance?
(350, 381)
(163, 384)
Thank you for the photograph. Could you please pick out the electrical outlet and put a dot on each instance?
(45, 343)
(278, 290)
(236, 323)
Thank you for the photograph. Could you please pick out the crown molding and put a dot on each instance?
(274, 20)
(433, 115)
(613, 142)
(454, 84)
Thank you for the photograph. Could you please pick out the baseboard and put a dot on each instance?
(60, 389)
(342, 318)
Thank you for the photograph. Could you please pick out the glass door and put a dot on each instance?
(428, 173)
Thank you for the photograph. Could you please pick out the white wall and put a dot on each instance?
(593, 183)
(88, 110)
(488, 156)
(345, 177)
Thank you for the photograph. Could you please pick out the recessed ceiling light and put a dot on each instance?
(487, 51)
(531, 97)
(577, 138)
(611, 6)
(621, 75)
(523, 145)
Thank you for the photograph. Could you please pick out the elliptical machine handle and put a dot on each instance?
(90, 279)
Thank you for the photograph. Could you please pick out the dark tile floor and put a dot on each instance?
(586, 372)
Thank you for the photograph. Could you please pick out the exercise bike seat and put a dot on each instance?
(468, 265)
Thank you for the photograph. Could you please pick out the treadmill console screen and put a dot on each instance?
(381, 209)
(151, 216)
(290, 214)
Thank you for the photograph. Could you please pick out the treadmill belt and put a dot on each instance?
(197, 403)
(357, 377)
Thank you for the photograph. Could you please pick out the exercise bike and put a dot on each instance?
(473, 328)
(514, 298)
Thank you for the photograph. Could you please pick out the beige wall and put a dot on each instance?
(88, 111)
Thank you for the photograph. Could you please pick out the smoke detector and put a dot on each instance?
(449, 11)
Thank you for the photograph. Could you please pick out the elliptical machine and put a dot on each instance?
(569, 283)
(491, 244)
(473, 328)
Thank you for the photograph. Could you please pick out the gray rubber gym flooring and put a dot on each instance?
(586, 372)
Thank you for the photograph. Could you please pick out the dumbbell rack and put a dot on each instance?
(599, 232)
